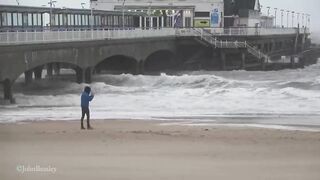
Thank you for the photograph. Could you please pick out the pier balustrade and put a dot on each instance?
(87, 35)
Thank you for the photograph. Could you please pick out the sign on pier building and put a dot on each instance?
(170, 13)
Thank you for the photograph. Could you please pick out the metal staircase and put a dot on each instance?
(210, 39)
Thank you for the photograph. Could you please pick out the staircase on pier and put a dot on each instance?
(206, 37)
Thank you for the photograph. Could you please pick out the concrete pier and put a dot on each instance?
(7, 90)
(88, 75)
(223, 60)
(28, 76)
(38, 72)
(49, 70)
(56, 68)
(243, 60)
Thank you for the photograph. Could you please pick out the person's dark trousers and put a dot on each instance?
(85, 111)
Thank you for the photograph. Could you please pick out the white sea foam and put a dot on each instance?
(201, 94)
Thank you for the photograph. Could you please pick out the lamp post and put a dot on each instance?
(288, 18)
(51, 3)
(123, 2)
(292, 18)
(275, 17)
(18, 2)
(91, 18)
(282, 10)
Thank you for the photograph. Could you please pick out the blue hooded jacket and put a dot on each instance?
(86, 98)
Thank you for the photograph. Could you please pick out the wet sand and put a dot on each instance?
(144, 150)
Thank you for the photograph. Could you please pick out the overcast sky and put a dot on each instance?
(303, 6)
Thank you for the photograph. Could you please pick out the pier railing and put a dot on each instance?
(210, 38)
(85, 35)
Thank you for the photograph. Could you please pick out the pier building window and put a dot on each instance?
(110, 21)
(84, 20)
(4, 19)
(60, 20)
(72, 19)
(30, 19)
(19, 19)
(15, 19)
(98, 20)
(39, 19)
(9, 19)
(76, 17)
(56, 19)
(35, 19)
(69, 19)
(115, 21)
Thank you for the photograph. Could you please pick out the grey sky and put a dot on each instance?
(302, 6)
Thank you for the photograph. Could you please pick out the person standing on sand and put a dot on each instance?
(85, 99)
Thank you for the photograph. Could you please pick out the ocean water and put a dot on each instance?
(286, 97)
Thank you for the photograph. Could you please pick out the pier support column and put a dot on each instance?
(28, 76)
(56, 68)
(49, 70)
(243, 60)
(292, 63)
(141, 67)
(88, 75)
(7, 90)
(263, 64)
(38, 72)
(223, 60)
(79, 75)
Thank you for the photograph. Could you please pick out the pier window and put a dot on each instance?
(14, 19)
(69, 20)
(109, 22)
(97, 20)
(115, 21)
(39, 19)
(56, 20)
(76, 18)
(19, 19)
(4, 19)
(84, 20)
(60, 20)
(9, 19)
(72, 19)
(30, 19)
(35, 19)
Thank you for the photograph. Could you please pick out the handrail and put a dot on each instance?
(211, 39)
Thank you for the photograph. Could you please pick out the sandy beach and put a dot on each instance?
(144, 150)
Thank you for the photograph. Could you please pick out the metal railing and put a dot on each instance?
(206, 36)
(60, 36)
(85, 35)
(254, 31)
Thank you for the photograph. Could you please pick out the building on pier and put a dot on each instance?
(26, 18)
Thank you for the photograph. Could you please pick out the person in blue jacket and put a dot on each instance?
(85, 99)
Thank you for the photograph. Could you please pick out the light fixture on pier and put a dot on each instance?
(268, 10)
(82, 5)
(282, 10)
(51, 3)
